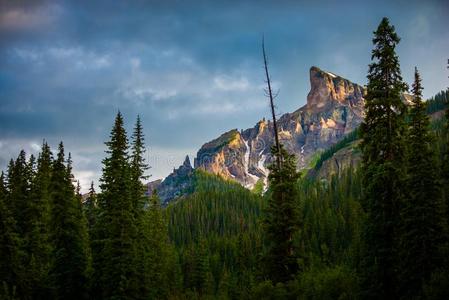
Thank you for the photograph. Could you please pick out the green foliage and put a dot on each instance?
(133, 258)
(138, 168)
(437, 287)
(383, 149)
(258, 188)
(217, 234)
(338, 282)
(115, 234)
(69, 269)
(266, 290)
(281, 220)
(217, 208)
(347, 140)
(331, 221)
(19, 180)
(28, 199)
(422, 231)
(90, 207)
(438, 102)
(160, 272)
(37, 241)
(9, 247)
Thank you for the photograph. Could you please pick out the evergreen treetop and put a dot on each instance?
(281, 219)
(69, 235)
(383, 155)
(422, 230)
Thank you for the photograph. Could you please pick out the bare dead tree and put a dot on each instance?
(269, 93)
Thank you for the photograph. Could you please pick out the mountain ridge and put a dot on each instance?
(333, 109)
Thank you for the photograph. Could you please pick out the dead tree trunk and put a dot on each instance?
(270, 95)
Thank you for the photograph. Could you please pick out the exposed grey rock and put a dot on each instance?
(177, 184)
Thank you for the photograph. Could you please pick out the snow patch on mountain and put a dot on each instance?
(331, 74)
(246, 165)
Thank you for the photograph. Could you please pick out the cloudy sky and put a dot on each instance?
(191, 69)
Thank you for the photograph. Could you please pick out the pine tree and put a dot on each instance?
(69, 269)
(139, 200)
(91, 207)
(281, 219)
(37, 238)
(138, 167)
(383, 150)
(34, 248)
(114, 243)
(158, 250)
(201, 269)
(9, 248)
(422, 229)
(19, 191)
(84, 232)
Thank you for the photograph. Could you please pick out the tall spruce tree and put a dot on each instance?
(9, 248)
(422, 229)
(34, 248)
(140, 201)
(383, 159)
(281, 219)
(69, 270)
(115, 246)
(37, 238)
(19, 191)
(138, 167)
(91, 207)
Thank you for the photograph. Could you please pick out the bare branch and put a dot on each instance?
(270, 95)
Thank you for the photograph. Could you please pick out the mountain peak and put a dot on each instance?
(334, 108)
(314, 70)
(187, 163)
(327, 89)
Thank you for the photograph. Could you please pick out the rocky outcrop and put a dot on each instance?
(232, 156)
(334, 108)
(328, 89)
(177, 184)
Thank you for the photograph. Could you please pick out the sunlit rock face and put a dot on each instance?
(334, 108)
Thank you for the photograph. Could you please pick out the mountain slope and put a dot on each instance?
(334, 108)
(346, 154)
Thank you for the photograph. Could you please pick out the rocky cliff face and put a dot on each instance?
(334, 108)
(178, 183)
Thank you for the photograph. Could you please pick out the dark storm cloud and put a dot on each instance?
(191, 69)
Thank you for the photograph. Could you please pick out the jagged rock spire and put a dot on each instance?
(187, 162)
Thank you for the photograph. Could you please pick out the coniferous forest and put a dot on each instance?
(376, 231)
